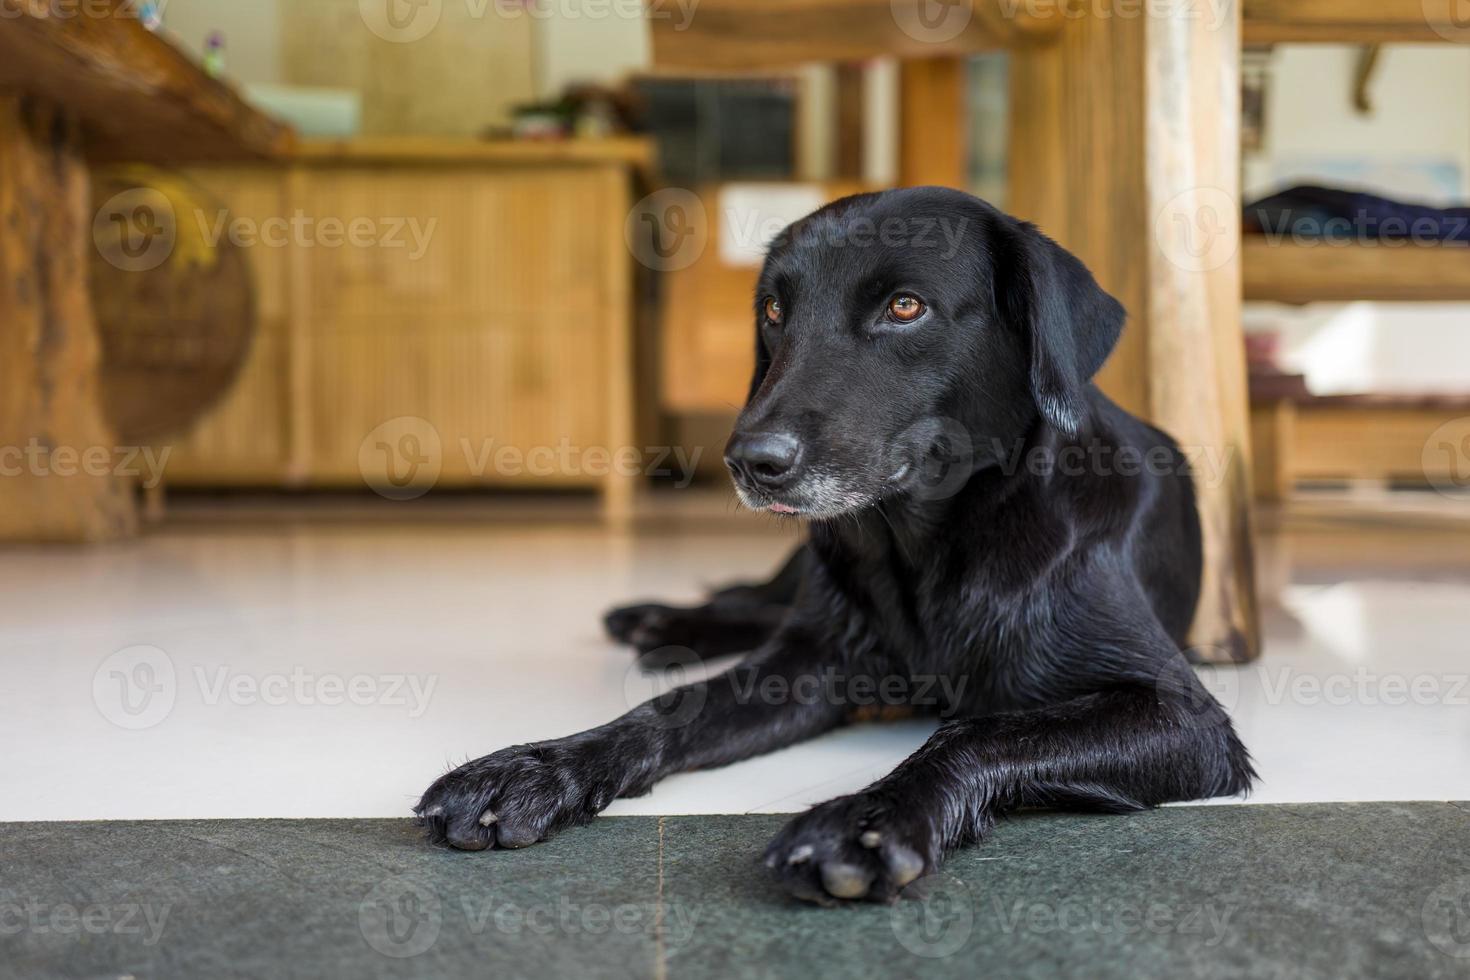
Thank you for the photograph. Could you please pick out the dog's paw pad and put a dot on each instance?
(512, 799)
(837, 851)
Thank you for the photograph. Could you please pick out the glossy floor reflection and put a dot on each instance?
(252, 664)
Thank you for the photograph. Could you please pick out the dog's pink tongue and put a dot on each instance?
(783, 509)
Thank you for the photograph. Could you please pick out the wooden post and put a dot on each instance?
(932, 122)
(59, 465)
(1125, 148)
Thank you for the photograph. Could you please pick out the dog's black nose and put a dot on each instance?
(768, 460)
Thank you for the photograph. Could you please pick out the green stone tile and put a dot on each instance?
(1323, 890)
(1326, 890)
(311, 898)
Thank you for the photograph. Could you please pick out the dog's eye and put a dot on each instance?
(773, 309)
(905, 309)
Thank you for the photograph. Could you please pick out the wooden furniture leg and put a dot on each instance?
(1125, 148)
(932, 122)
(1273, 429)
(61, 475)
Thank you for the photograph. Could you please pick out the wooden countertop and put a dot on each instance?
(137, 97)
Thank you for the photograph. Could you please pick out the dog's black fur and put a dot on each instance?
(958, 564)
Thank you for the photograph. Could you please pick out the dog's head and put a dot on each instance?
(901, 331)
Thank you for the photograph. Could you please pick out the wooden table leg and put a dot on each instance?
(1125, 148)
(60, 472)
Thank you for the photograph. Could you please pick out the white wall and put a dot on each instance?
(252, 30)
(589, 42)
(1421, 118)
(1415, 145)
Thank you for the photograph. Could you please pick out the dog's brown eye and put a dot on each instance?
(773, 309)
(905, 309)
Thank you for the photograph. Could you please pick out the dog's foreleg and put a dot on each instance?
(525, 793)
(736, 619)
(1122, 749)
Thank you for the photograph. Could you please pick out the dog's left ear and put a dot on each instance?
(1070, 322)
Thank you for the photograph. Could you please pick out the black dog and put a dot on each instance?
(992, 541)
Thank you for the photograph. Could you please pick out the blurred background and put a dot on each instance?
(364, 333)
(356, 356)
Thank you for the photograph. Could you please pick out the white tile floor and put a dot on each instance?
(332, 669)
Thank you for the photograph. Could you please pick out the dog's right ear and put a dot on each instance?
(1070, 323)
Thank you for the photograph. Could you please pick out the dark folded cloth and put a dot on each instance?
(1332, 213)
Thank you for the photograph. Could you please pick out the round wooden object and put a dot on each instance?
(174, 300)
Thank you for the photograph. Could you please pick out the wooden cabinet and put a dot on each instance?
(481, 293)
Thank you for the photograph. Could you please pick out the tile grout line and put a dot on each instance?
(660, 966)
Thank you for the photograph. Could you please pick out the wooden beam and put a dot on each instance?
(1125, 148)
(137, 98)
(1354, 21)
(724, 35)
(60, 465)
(1311, 272)
(931, 144)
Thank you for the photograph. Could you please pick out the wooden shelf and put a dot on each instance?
(1324, 272)
(735, 35)
(137, 97)
(1350, 21)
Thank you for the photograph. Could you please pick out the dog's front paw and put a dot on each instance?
(652, 627)
(513, 798)
(851, 848)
